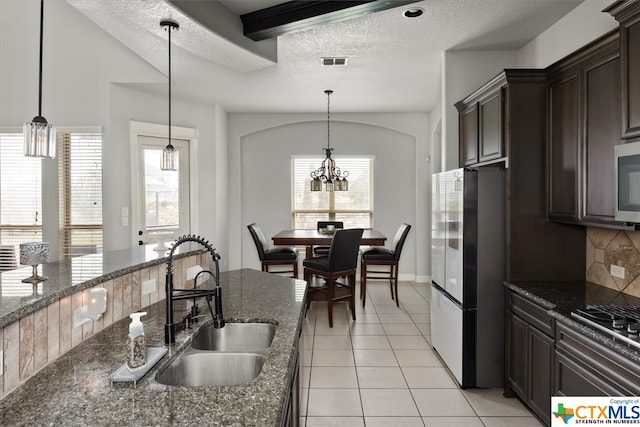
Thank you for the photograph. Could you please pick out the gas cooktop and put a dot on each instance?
(622, 323)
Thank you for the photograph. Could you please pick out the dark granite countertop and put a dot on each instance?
(561, 298)
(67, 277)
(75, 389)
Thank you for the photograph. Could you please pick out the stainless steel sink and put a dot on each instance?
(234, 337)
(212, 369)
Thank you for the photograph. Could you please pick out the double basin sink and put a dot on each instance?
(227, 356)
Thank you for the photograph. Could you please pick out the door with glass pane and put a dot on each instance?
(162, 208)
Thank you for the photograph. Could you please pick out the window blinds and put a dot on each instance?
(20, 199)
(80, 183)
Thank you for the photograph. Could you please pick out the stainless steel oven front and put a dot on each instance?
(627, 191)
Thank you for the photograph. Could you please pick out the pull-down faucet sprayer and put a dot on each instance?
(218, 318)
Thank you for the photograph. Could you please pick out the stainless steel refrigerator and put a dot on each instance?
(467, 271)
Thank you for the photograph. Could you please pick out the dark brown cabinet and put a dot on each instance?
(481, 122)
(469, 135)
(291, 411)
(584, 126)
(628, 14)
(584, 367)
(529, 354)
(491, 140)
(504, 124)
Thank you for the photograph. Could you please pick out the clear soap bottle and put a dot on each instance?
(136, 343)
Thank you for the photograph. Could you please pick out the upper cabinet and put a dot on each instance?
(483, 116)
(584, 126)
(628, 14)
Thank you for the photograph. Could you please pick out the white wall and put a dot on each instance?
(584, 24)
(261, 146)
(130, 104)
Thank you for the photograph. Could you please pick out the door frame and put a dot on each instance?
(137, 129)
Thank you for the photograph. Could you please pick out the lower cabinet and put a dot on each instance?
(546, 358)
(291, 411)
(530, 352)
(586, 368)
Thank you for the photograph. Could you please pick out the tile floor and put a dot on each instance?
(381, 371)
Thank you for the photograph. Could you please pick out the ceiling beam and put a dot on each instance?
(300, 15)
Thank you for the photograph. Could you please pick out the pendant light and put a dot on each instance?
(169, 153)
(328, 173)
(40, 136)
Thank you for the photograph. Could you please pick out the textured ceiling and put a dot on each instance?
(394, 62)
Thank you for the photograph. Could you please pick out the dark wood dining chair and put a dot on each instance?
(381, 256)
(324, 249)
(341, 263)
(278, 255)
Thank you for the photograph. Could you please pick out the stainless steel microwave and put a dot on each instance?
(627, 191)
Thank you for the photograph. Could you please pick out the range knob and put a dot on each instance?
(633, 328)
(619, 323)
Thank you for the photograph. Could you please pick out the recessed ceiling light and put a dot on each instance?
(413, 12)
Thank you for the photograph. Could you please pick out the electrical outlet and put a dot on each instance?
(617, 271)
(148, 286)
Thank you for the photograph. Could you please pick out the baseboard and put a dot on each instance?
(423, 279)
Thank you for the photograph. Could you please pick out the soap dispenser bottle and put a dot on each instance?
(136, 344)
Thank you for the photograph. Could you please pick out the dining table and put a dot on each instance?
(311, 238)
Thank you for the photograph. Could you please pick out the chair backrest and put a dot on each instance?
(343, 252)
(398, 240)
(323, 224)
(258, 239)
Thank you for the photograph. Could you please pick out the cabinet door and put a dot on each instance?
(491, 141)
(516, 354)
(602, 88)
(564, 137)
(540, 374)
(469, 136)
(630, 53)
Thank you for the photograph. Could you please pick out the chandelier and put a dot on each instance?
(328, 173)
(39, 135)
(169, 152)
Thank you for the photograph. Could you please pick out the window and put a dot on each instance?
(353, 207)
(80, 183)
(20, 199)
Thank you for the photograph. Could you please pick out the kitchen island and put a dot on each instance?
(76, 390)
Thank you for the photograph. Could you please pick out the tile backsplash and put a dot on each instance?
(607, 247)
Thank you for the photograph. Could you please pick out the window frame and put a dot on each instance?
(331, 211)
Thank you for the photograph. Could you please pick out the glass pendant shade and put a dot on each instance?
(168, 158)
(169, 154)
(39, 138)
